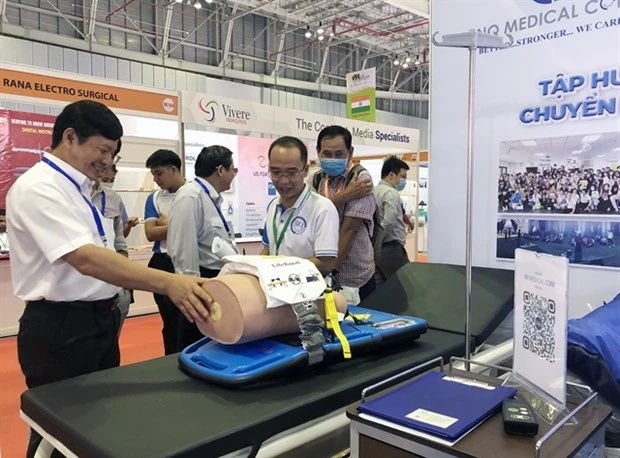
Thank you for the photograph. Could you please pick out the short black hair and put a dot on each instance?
(393, 164)
(163, 157)
(87, 118)
(210, 158)
(290, 142)
(335, 131)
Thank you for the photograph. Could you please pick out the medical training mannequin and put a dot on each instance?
(244, 316)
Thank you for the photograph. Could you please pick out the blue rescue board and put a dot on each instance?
(261, 360)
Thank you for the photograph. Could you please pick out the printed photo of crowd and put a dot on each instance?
(594, 243)
(561, 175)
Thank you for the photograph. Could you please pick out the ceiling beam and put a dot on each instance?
(229, 31)
(92, 18)
(276, 67)
(166, 33)
(238, 53)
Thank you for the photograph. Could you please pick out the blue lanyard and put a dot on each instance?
(102, 202)
(89, 202)
(217, 207)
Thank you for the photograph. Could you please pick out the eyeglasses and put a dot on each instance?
(278, 174)
(116, 159)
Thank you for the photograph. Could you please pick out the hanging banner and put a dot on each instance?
(24, 137)
(540, 321)
(48, 87)
(361, 92)
(245, 117)
(547, 136)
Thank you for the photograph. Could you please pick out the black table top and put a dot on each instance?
(152, 409)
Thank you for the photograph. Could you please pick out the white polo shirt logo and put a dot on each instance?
(298, 225)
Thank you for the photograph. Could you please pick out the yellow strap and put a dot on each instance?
(331, 313)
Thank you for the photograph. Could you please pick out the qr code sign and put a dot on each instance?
(539, 325)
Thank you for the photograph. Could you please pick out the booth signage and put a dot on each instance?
(540, 321)
(244, 116)
(361, 95)
(41, 86)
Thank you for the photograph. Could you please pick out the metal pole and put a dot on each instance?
(469, 192)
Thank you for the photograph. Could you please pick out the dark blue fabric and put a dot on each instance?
(599, 334)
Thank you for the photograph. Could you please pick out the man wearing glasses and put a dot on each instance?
(197, 226)
(299, 222)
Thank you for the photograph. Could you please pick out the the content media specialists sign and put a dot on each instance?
(246, 116)
(48, 87)
(359, 132)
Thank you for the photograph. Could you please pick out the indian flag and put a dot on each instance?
(360, 104)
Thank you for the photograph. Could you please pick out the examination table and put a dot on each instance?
(152, 409)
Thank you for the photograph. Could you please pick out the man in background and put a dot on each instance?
(393, 254)
(110, 205)
(198, 234)
(355, 264)
(298, 222)
(165, 166)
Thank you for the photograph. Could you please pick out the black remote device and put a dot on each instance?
(519, 420)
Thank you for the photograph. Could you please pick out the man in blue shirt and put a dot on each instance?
(165, 167)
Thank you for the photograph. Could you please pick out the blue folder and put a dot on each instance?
(436, 405)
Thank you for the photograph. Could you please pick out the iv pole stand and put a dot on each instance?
(472, 40)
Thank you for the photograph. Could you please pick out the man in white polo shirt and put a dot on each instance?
(63, 262)
(299, 222)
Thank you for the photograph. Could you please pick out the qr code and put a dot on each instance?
(539, 325)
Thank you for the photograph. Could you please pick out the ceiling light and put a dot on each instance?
(405, 65)
(308, 33)
(396, 62)
(320, 31)
(179, 1)
(331, 33)
(417, 60)
(209, 1)
(321, 37)
(407, 59)
(197, 5)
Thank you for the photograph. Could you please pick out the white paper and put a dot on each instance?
(432, 418)
(540, 321)
(284, 279)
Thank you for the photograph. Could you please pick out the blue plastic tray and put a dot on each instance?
(242, 364)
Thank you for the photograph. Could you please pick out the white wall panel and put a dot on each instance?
(170, 80)
(148, 77)
(97, 65)
(124, 71)
(159, 77)
(24, 52)
(111, 68)
(39, 54)
(84, 63)
(135, 72)
(69, 63)
(56, 60)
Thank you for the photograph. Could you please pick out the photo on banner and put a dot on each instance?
(561, 196)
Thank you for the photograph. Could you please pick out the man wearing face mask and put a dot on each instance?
(110, 204)
(355, 264)
(393, 254)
